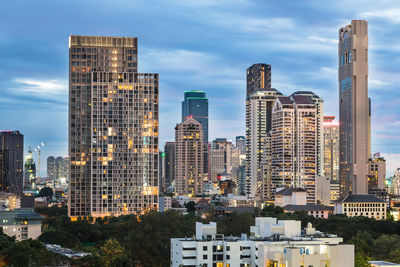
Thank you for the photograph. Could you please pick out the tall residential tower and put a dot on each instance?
(189, 158)
(113, 129)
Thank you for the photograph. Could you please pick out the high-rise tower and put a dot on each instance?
(331, 149)
(258, 77)
(195, 104)
(319, 105)
(258, 124)
(294, 144)
(189, 158)
(11, 161)
(29, 172)
(354, 108)
(113, 129)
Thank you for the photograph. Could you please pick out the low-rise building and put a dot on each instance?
(290, 196)
(318, 211)
(21, 223)
(334, 192)
(165, 204)
(272, 243)
(361, 205)
(9, 201)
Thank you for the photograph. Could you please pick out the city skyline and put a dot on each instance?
(303, 57)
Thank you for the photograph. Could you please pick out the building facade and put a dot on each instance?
(240, 144)
(294, 144)
(195, 104)
(223, 158)
(361, 205)
(331, 148)
(11, 162)
(258, 77)
(394, 187)
(272, 243)
(376, 173)
(189, 160)
(29, 172)
(113, 129)
(354, 108)
(319, 105)
(23, 224)
(258, 124)
(169, 150)
(51, 168)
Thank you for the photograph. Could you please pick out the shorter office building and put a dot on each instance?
(238, 201)
(165, 204)
(376, 173)
(290, 196)
(361, 205)
(318, 211)
(334, 192)
(21, 223)
(9, 201)
(272, 243)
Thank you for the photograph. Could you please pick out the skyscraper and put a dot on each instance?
(258, 77)
(113, 129)
(354, 108)
(319, 104)
(59, 167)
(189, 157)
(331, 149)
(241, 144)
(169, 150)
(258, 124)
(294, 144)
(51, 168)
(195, 104)
(223, 157)
(11, 162)
(29, 172)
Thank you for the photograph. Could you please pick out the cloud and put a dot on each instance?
(391, 15)
(323, 40)
(392, 162)
(41, 87)
(373, 83)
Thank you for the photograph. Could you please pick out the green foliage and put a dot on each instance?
(145, 240)
(46, 192)
(190, 206)
(112, 252)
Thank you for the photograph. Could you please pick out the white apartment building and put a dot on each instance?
(294, 144)
(361, 205)
(21, 223)
(272, 243)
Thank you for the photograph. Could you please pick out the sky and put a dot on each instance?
(196, 45)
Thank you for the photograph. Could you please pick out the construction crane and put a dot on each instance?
(38, 149)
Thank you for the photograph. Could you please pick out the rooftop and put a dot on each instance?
(289, 191)
(308, 207)
(360, 198)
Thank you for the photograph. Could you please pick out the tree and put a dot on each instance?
(46, 192)
(112, 252)
(190, 206)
